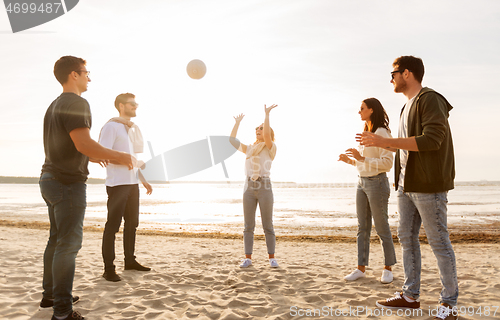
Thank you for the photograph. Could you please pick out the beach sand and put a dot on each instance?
(199, 278)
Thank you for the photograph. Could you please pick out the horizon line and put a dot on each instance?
(90, 180)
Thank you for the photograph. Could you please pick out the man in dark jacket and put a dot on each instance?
(424, 172)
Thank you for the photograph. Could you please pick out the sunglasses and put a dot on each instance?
(396, 71)
(133, 104)
(261, 128)
(87, 73)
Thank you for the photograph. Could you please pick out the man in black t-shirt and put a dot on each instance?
(69, 111)
(68, 146)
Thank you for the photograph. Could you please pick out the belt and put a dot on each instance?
(258, 179)
(380, 174)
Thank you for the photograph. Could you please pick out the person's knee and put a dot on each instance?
(269, 231)
(52, 241)
(69, 247)
(406, 235)
(112, 226)
(364, 227)
(249, 228)
(440, 245)
(131, 225)
(111, 231)
(383, 232)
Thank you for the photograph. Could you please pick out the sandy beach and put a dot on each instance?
(199, 278)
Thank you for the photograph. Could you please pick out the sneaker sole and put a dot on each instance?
(395, 308)
(354, 279)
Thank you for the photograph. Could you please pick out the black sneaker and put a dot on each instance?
(136, 266)
(111, 275)
(73, 315)
(47, 303)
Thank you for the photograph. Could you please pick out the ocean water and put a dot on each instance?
(218, 206)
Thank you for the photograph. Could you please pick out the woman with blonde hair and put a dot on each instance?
(258, 189)
(372, 195)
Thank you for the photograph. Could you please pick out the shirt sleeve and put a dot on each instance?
(385, 157)
(434, 117)
(77, 115)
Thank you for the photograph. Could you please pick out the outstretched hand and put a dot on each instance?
(370, 139)
(354, 153)
(239, 117)
(102, 163)
(343, 157)
(127, 160)
(267, 110)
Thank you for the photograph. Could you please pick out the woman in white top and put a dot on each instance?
(258, 189)
(372, 195)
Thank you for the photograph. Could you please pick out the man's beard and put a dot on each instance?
(130, 113)
(400, 87)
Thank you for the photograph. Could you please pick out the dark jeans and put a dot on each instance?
(123, 201)
(66, 205)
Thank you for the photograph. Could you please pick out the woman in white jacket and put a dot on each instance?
(372, 195)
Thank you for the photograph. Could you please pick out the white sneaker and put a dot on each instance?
(246, 263)
(387, 276)
(355, 275)
(273, 262)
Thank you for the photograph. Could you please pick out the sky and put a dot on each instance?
(316, 59)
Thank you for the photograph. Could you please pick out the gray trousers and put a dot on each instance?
(258, 192)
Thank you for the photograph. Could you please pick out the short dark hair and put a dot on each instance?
(122, 98)
(413, 64)
(65, 65)
(379, 117)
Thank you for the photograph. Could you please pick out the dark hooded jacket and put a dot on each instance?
(432, 168)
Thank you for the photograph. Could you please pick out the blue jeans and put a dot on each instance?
(372, 198)
(261, 193)
(66, 205)
(430, 210)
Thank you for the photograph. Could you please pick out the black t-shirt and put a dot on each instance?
(69, 111)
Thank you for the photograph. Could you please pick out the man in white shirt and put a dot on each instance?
(122, 186)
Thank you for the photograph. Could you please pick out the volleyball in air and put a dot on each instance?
(196, 69)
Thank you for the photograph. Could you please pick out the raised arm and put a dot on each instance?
(267, 127)
(84, 144)
(238, 145)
